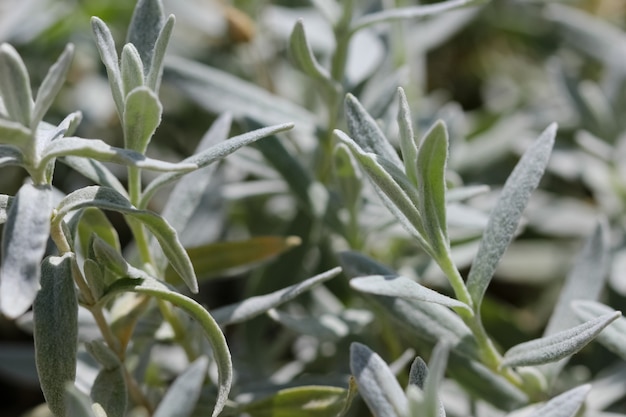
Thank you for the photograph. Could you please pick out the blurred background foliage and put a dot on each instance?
(497, 74)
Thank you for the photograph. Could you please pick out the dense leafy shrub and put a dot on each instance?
(350, 222)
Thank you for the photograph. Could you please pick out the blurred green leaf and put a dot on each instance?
(322, 326)
(77, 403)
(14, 133)
(95, 171)
(24, 241)
(302, 54)
(436, 370)
(559, 345)
(564, 405)
(614, 336)
(142, 116)
(109, 388)
(377, 385)
(305, 401)
(182, 396)
(94, 222)
(214, 258)
(56, 330)
(15, 86)
(507, 213)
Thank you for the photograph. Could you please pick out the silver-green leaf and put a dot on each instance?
(376, 383)
(131, 68)
(507, 213)
(15, 86)
(155, 72)
(24, 241)
(145, 27)
(407, 138)
(108, 55)
(181, 398)
(55, 330)
(564, 405)
(142, 116)
(614, 336)
(109, 389)
(302, 54)
(77, 403)
(559, 345)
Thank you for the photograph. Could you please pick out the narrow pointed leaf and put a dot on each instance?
(153, 79)
(181, 398)
(407, 138)
(437, 368)
(254, 306)
(305, 401)
(365, 131)
(564, 405)
(15, 86)
(214, 258)
(51, 85)
(398, 286)
(108, 55)
(77, 403)
(108, 199)
(152, 287)
(109, 388)
(132, 69)
(14, 133)
(142, 116)
(377, 384)
(614, 336)
(24, 241)
(559, 345)
(97, 149)
(145, 26)
(213, 154)
(56, 331)
(322, 326)
(301, 53)
(431, 182)
(507, 212)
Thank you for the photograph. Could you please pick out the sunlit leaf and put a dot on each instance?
(108, 55)
(145, 27)
(153, 79)
(15, 86)
(564, 405)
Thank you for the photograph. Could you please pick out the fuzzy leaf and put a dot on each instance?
(152, 287)
(437, 368)
(97, 149)
(145, 27)
(108, 55)
(365, 131)
(323, 326)
(51, 85)
(213, 154)
(181, 398)
(153, 79)
(564, 405)
(213, 258)
(559, 345)
(418, 372)
(219, 91)
(142, 116)
(13, 133)
(507, 212)
(109, 388)
(407, 139)
(431, 182)
(398, 286)
(302, 54)
(377, 384)
(305, 401)
(108, 199)
(614, 336)
(15, 86)
(77, 403)
(132, 69)
(413, 12)
(253, 306)
(56, 330)
(24, 241)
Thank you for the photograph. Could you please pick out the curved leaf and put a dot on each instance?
(153, 79)
(302, 54)
(507, 212)
(150, 286)
(24, 241)
(377, 384)
(14, 133)
(56, 330)
(142, 116)
(559, 345)
(398, 286)
(564, 405)
(108, 55)
(614, 336)
(15, 86)
(109, 199)
(181, 398)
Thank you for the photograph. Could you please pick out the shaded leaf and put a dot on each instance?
(437, 368)
(24, 241)
(301, 53)
(144, 284)
(182, 396)
(305, 401)
(614, 336)
(145, 27)
(15, 86)
(109, 389)
(253, 306)
(55, 331)
(399, 286)
(77, 403)
(95, 171)
(564, 405)
(559, 345)
(507, 212)
(322, 326)
(51, 85)
(377, 385)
